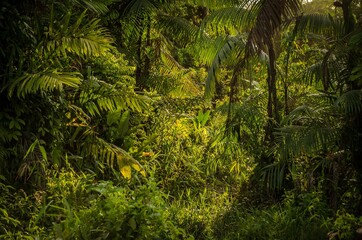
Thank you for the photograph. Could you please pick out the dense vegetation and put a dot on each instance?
(195, 119)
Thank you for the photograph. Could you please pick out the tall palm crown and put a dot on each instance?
(261, 20)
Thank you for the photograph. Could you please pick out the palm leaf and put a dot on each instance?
(141, 8)
(240, 18)
(214, 4)
(350, 102)
(178, 28)
(102, 151)
(273, 175)
(97, 6)
(107, 97)
(47, 80)
(88, 39)
(316, 23)
(270, 15)
(310, 130)
(227, 49)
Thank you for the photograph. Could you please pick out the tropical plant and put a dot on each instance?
(261, 21)
(150, 36)
(50, 96)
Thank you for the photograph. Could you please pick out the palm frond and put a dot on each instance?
(227, 48)
(47, 80)
(270, 15)
(316, 23)
(87, 39)
(334, 63)
(107, 97)
(97, 6)
(181, 30)
(314, 73)
(309, 130)
(356, 74)
(330, 72)
(273, 175)
(141, 8)
(5, 153)
(296, 140)
(237, 17)
(350, 102)
(214, 4)
(105, 152)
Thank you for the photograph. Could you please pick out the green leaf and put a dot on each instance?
(132, 223)
(123, 126)
(31, 148)
(43, 152)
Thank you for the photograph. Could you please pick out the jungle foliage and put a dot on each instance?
(163, 119)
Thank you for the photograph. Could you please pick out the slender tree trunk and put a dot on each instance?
(147, 65)
(139, 63)
(347, 16)
(273, 115)
(286, 105)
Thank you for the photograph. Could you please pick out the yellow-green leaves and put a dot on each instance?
(126, 163)
(111, 154)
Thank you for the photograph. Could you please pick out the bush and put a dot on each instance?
(120, 213)
(299, 217)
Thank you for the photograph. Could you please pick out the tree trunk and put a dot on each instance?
(147, 65)
(273, 115)
(139, 63)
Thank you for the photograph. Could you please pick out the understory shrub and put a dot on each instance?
(121, 213)
(302, 217)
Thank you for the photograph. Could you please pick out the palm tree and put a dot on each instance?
(327, 126)
(148, 32)
(262, 22)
